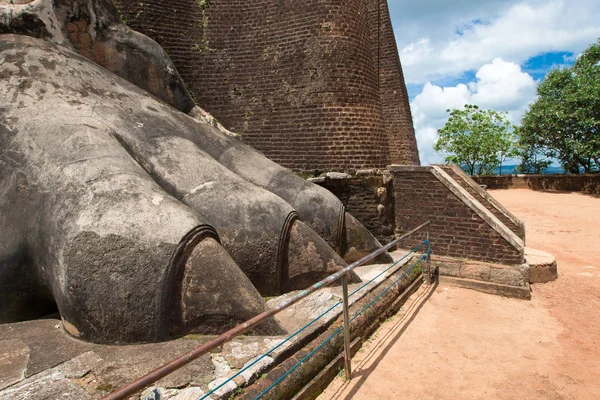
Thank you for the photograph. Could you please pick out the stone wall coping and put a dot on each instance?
(409, 168)
(468, 261)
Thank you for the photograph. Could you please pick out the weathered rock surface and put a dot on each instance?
(14, 356)
(58, 360)
(47, 385)
(79, 366)
(160, 393)
(359, 242)
(94, 29)
(40, 336)
(119, 367)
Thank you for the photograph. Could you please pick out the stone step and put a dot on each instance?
(542, 266)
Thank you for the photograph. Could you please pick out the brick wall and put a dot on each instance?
(397, 117)
(456, 230)
(369, 198)
(299, 80)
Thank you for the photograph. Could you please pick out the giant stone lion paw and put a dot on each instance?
(135, 221)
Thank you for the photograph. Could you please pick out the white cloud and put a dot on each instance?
(499, 85)
(446, 41)
(503, 86)
(440, 38)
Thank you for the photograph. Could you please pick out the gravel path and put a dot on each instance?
(453, 343)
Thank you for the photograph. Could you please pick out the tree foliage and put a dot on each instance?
(532, 154)
(564, 122)
(478, 140)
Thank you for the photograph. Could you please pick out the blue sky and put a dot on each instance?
(492, 53)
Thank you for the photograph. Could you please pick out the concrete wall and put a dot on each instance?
(313, 84)
(589, 183)
(460, 225)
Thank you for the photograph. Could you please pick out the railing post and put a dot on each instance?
(429, 275)
(347, 361)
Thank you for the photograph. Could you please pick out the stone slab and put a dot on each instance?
(14, 357)
(243, 349)
(478, 272)
(510, 275)
(542, 266)
(517, 292)
(48, 343)
(80, 365)
(121, 364)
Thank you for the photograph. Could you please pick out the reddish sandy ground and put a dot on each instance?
(453, 343)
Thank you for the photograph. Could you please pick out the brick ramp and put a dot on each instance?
(492, 205)
(471, 242)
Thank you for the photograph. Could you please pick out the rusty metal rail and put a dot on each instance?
(168, 368)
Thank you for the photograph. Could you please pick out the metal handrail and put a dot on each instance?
(166, 369)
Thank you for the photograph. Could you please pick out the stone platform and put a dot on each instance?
(498, 279)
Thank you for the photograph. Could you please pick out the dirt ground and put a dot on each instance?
(454, 343)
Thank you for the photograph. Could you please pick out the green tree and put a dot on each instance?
(564, 121)
(477, 140)
(532, 154)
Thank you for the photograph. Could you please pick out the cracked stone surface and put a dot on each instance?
(80, 365)
(50, 384)
(222, 367)
(122, 363)
(48, 343)
(191, 393)
(160, 393)
(241, 350)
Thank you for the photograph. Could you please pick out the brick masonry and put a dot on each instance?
(456, 229)
(313, 84)
(397, 117)
(370, 199)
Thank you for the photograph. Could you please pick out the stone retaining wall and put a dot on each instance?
(504, 280)
(588, 183)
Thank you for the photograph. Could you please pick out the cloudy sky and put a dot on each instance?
(492, 53)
